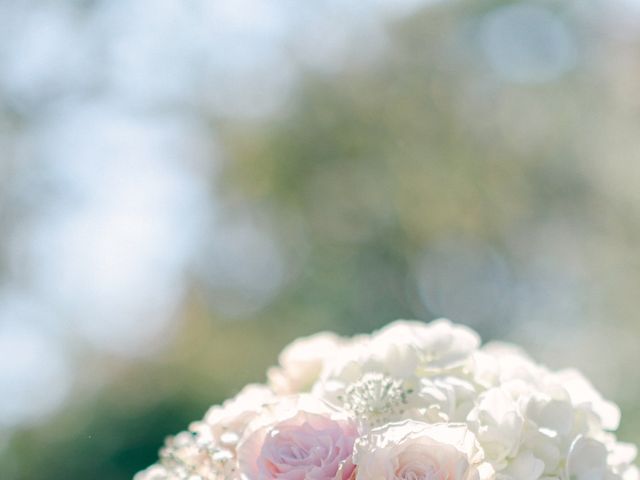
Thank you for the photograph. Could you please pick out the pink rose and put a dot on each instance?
(299, 439)
(412, 450)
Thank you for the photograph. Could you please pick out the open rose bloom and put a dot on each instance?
(413, 401)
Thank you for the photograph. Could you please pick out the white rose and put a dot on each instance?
(587, 460)
(498, 424)
(499, 362)
(438, 399)
(548, 421)
(404, 352)
(525, 466)
(404, 349)
(620, 460)
(631, 473)
(413, 450)
(440, 345)
(223, 425)
(584, 395)
(301, 363)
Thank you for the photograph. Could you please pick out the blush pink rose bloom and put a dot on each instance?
(412, 450)
(301, 438)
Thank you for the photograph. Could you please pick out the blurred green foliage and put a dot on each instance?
(366, 168)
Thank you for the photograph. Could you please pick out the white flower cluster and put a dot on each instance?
(413, 401)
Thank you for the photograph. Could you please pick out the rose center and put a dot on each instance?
(427, 472)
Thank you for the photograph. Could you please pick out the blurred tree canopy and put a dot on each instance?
(417, 182)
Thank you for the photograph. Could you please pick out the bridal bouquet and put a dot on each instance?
(413, 401)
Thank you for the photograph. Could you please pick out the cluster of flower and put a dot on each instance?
(413, 401)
